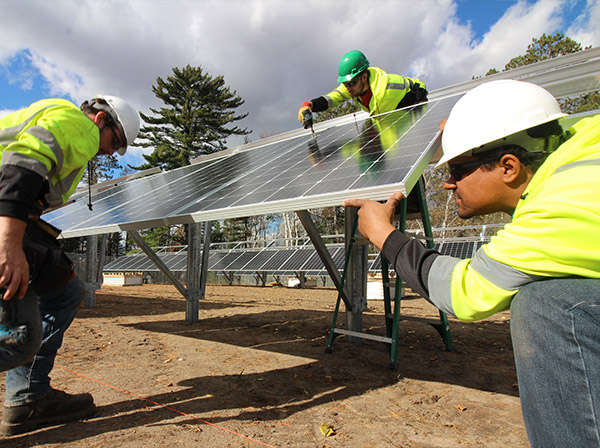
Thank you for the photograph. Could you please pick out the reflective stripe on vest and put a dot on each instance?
(407, 85)
(8, 135)
(503, 275)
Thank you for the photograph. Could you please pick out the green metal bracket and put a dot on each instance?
(392, 314)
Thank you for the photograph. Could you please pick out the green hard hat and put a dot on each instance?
(352, 63)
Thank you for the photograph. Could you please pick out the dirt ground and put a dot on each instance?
(253, 373)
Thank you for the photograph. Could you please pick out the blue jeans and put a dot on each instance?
(30, 382)
(555, 328)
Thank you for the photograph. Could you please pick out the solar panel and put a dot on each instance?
(351, 157)
(226, 261)
(215, 261)
(276, 261)
(339, 257)
(297, 260)
(376, 264)
(179, 262)
(314, 262)
(239, 263)
(258, 262)
(459, 249)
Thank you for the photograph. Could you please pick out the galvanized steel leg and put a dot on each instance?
(332, 333)
(444, 328)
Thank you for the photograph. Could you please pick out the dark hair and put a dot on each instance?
(532, 160)
(87, 107)
(551, 132)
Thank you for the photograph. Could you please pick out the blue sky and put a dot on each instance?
(482, 14)
(274, 53)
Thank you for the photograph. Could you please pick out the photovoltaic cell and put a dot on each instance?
(239, 263)
(356, 156)
(276, 261)
(257, 263)
(458, 249)
(179, 262)
(217, 261)
(314, 262)
(297, 260)
(376, 264)
(339, 257)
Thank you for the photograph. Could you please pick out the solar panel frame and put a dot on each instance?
(356, 157)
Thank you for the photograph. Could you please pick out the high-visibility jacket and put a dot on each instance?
(553, 234)
(388, 90)
(52, 138)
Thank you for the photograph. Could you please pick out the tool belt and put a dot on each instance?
(49, 267)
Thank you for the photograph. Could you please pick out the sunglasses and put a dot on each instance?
(460, 170)
(117, 143)
(352, 83)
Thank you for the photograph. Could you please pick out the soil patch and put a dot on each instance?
(253, 372)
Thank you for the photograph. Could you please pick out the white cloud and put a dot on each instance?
(586, 29)
(456, 56)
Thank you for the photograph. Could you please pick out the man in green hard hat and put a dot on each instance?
(374, 90)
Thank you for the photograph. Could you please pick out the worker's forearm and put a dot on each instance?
(319, 104)
(14, 269)
(19, 191)
(411, 260)
(12, 230)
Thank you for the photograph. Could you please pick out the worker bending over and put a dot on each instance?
(374, 90)
(45, 149)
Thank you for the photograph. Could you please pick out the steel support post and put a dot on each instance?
(91, 268)
(356, 280)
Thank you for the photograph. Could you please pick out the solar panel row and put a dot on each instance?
(278, 261)
(288, 260)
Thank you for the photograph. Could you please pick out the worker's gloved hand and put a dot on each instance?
(306, 105)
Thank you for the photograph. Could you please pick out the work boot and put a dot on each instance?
(55, 407)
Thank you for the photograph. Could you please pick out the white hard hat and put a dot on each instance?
(125, 116)
(497, 113)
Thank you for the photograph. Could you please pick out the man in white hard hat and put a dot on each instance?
(45, 149)
(506, 150)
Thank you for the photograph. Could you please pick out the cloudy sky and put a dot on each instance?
(274, 53)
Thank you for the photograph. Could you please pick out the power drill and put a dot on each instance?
(307, 118)
(11, 332)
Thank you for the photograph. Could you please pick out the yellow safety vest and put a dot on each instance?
(554, 231)
(388, 90)
(52, 138)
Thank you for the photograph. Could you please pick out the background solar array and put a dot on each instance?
(279, 261)
(249, 261)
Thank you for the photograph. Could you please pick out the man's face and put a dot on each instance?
(110, 139)
(358, 85)
(475, 187)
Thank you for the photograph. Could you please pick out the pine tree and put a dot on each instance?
(546, 47)
(194, 121)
